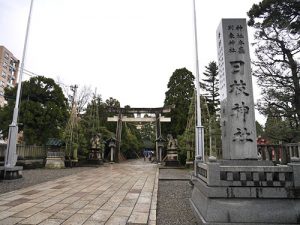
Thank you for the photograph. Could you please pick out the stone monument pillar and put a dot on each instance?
(236, 95)
(240, 189)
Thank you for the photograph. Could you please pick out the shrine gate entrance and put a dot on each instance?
(121, 117)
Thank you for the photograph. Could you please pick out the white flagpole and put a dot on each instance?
(199, 128)
(11, 156)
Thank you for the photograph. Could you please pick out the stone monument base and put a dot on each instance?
(174, 163)
(172, 158)
(227, 194)
(95, 161)
(11, 173)
(55, 163)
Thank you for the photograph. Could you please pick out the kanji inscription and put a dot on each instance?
(236, 95)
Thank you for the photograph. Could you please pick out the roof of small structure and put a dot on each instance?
(55, 142)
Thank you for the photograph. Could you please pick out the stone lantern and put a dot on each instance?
(160, 144)
(112, 145)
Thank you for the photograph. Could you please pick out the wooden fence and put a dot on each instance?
(26, 151)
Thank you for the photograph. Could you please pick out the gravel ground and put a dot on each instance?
(173, 206)
(174, 174)
(36, 176)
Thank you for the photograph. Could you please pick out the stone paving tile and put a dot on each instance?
(142, 199)
(93, 222)
(28, 212)
(21, 207)
(76, 219)
(15, 202)
(36, 218)
(52, 222)
(128, 203)
(122, 193)
(101, 215)
(132, 196)
(89, 209)
(99, 201)
(78, 204)
(2, 208)
(117, 220)
(123, 211)
(31, 192)
(138, 218)
(5, 214)
(64, 214)
(55, 208)
(90, 197)
(39, 199)
(10, 221)
(152, 215)
(142, 207)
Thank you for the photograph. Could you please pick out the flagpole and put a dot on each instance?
(199, 134)
(11, 156)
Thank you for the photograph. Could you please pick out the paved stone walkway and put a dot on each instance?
(113, 194)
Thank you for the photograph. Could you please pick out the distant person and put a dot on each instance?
(150, 156)
(145, 155)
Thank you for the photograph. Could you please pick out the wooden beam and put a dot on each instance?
(145, 120)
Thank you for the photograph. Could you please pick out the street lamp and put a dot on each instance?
(10, 155)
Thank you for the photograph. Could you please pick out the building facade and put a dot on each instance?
(9, 68)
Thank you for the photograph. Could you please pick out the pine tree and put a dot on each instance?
(211, 86)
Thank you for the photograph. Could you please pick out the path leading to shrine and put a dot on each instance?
(124, 193)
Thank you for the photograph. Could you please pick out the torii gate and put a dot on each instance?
(120, 118)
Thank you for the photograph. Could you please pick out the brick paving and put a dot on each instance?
(115, 194)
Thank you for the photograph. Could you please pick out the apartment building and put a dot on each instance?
(9, 68)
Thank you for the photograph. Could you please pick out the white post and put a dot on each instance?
(111, 154)
(11, 155)
(199, 128)
(160, 154)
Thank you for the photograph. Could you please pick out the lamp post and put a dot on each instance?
(199, 128)
(160, 144)
(10, 155)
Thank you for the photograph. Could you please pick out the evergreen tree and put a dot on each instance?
(180, 91)
(259, 129)
(43, 110)
(278, 130)
(211, 86)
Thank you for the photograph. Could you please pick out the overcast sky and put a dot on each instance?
(126, 49)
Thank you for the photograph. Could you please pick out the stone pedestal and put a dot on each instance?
(11, 173)
(172, 152)
(172, 158)
(237, 194)
(55, 160)
(95, 157)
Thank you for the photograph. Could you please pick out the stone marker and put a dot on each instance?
(236, 95)
(239, 188)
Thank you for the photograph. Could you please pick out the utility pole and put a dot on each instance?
(72, 123)
(11, 153)
(199, 128)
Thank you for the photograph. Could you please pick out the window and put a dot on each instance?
(2, 84)
(1, 93)
(6, 55)
(4, 65)
(3, 74)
